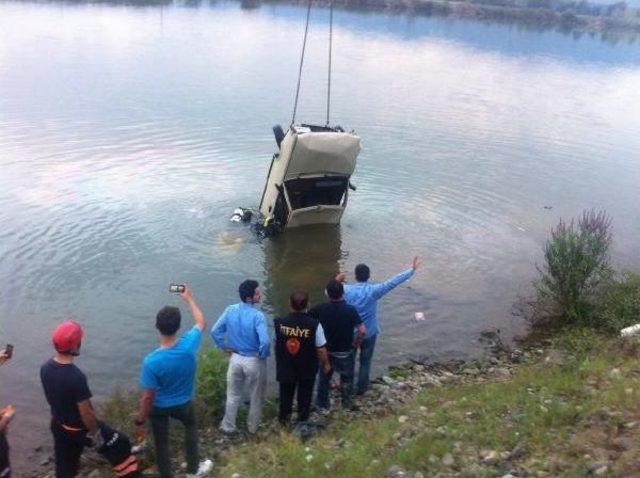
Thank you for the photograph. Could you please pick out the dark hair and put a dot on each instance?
(335, 289)
(299, 300)
(168, 320)
(247, 289)
(362, 273)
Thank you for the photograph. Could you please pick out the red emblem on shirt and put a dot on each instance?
(293, 346)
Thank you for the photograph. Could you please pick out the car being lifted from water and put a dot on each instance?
(308, 180)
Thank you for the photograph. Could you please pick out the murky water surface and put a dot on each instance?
(128, 135)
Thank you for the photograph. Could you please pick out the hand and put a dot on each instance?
(97, 439)
(8, 412)
(141, 433)
(326, 367)
(3, 357)
(416, 263)
(341, 276)
(187, 295)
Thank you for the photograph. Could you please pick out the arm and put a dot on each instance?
(6, 414)
(361, 332)
(341, 276)
(323, 356)
(88, 416)
(263, 336)
(198, 317)
(219, 331)
(146, 403)
(321, 349)
(387, 286)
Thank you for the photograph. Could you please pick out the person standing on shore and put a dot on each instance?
(338, 320)
(168, 382)
(364, 296)
(300, 343)
(6, 415)
(242, 331)
(73, 421)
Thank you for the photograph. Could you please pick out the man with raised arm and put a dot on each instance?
(242, 331)
(168, 383)
(73, 421)
(364, 296)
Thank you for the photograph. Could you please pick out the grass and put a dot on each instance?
(556, 420)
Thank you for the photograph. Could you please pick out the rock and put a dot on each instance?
(508, 475)
(447, 459)
(403, 418)
(395, 472)
(308, 457)
(418, 474)
(235, 475)
(491, 458)
(388, 380)
(630, 424)
(45, 461)
(598, 468)
(615, 373)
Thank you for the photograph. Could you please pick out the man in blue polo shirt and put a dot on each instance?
(168, 380)
(241, 331)
(364, 296)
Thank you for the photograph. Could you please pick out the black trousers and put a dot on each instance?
(67, 447)
(159, 418)
(5, 467)
(304, 392)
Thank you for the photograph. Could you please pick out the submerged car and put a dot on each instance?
(308, 180)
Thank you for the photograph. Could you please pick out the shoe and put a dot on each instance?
(204, 469)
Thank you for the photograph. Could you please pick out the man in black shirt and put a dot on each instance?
(73, 423)
(339, 320)
(300, 343)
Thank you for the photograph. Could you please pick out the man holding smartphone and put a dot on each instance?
(6, 414)
(168, 382)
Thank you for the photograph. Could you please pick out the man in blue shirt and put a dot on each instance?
(168, 380)
(364, 297)
(241, 331)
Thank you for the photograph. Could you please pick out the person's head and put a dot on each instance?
(362, 273)
(67, 338)
(168, 320)
(249, 291)
(335, 290)
(299, 301)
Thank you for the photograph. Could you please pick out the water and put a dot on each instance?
(128, 135)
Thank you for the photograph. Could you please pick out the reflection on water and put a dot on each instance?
(303, 259)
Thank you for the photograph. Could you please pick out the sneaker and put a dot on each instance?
(204, 469)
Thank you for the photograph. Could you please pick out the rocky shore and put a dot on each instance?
(387, 396)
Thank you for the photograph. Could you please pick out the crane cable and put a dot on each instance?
(329, 72)
(304, 46)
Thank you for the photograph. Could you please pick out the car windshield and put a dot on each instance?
(310, 192)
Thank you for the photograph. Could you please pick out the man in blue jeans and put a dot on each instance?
(338, 320)
(364, 296)
(168, 382)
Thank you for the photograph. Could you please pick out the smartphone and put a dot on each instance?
(9, 350)
(177, 288)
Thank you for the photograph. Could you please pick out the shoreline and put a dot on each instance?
(388, 393)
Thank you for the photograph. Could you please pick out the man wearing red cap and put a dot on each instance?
(73, 421)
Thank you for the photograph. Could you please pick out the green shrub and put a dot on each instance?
(211, 384)
(618, 303)
(576, 264)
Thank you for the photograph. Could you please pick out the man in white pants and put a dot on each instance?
(241, 331)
